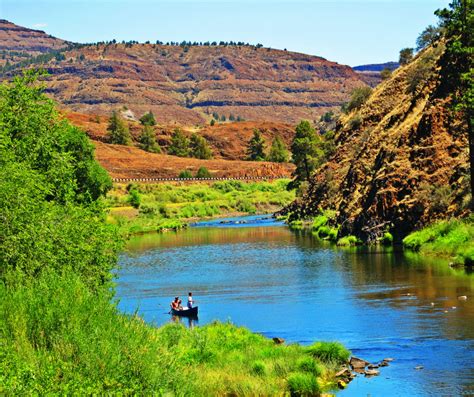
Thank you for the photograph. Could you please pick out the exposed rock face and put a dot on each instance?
(188, 84)
(401, 160)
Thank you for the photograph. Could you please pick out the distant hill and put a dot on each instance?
(376, 67)
(184, 84)
(370, 74)
(18, 43)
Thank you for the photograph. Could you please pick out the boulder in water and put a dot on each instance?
(358, 363)
(372, 372)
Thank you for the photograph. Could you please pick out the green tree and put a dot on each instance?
(457, 22)
(203, 172)
(306, 151)
(33, 134)
(223, 118)
(212, 123)
(49, 186)
(359, 96)
(200, 148)
(117, 130)
(406, 55)
(428, 37)
(256, 147)
(179, 144)
(148, 119)
(278, 151)
(148, 140)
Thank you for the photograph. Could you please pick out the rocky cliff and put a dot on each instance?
(401, 159)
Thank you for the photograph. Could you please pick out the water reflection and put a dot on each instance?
(190, 321)
(379, 302)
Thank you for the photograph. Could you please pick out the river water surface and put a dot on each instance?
(379, 303)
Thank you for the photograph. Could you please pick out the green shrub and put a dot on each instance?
(418, 75)
(348, 241)
(359, 96)
(453, 238)
(296, 225)
(332, 234)
(203, 172)
(245, 205)
(185, 174)
(309, 364)
(73, 339)
(329, 352)
(387, 238)
(320, 220)
(259, 368)
(303, 384)
(355, 122)
(134, 198)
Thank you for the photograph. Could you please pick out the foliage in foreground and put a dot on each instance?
(62, 338)
(49, 190)
(453, 238)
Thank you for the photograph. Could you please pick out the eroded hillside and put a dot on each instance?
(188, 83)
(401, 160)
(18, 43)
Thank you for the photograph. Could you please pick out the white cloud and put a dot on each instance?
(39, 25)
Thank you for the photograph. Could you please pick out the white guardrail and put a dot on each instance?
(243, 178)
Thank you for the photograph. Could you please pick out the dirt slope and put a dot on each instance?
(130, 162)
(405, 165)
(227, 140)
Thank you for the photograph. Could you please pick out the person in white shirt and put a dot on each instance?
(190, 300)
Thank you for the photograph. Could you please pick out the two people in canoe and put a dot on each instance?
(177, 303)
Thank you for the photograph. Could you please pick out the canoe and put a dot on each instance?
(185, 312)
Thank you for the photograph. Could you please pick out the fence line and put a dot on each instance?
(243, 178)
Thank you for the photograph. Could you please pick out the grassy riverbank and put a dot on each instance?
(140, 208)
(453, 239)
(62, 338)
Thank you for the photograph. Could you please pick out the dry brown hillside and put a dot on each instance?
(228, 142)
(18, 43)
(401, 160)
(186, 84)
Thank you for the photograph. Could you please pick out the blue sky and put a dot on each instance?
(352, 32)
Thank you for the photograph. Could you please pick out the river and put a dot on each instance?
(379, 302)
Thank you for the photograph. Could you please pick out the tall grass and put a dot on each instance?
(59, 337)
(453, 238)
(162, 203)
